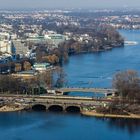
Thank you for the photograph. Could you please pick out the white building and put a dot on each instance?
(41, 66)
(55, 38)
(6, 47)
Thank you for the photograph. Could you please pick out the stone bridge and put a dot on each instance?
(56, 103)
(64, 103)
(57, 107)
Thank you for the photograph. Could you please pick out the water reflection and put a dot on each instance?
(132, 126)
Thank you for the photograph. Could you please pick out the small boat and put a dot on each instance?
(130, 43)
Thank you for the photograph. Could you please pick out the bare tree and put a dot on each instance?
(128, 84)
(61, 77)
(45, 79)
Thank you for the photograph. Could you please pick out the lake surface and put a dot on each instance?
(86, 70)
(97, 70)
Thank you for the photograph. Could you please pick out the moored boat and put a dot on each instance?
(130, 42)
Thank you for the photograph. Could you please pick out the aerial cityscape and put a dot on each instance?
(69, 70)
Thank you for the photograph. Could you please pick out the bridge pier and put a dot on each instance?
(57, 107)
(44, 103)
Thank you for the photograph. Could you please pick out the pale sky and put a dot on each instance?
(67, 3)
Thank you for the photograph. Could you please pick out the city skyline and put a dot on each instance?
(5, 4)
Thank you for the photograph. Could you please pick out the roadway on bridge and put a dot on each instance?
(36, 99)
(94, 90)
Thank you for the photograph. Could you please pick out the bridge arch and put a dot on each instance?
(73, 109)
(55, 108)
(39, 107)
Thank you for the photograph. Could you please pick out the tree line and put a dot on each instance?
(11, 84)
(127, 99)
(128, 84)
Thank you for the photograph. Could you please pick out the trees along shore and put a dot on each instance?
(126, 104)
(38, 84)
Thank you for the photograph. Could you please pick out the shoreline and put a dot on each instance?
(7, 108)
(98, 51)
(101, 115)
(84, 113)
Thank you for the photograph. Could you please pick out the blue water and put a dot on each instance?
(97, 70)
(89, 70)
(49, 126)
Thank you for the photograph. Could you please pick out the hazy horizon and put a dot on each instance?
(27, 4)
